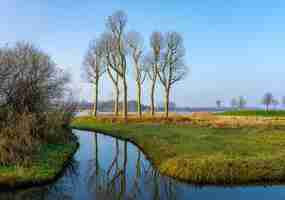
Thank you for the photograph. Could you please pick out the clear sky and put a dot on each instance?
(234, 47)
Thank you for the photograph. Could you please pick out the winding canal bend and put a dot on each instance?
(109, 168)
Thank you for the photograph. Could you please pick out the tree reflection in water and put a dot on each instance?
(108, 168)
(124, 178)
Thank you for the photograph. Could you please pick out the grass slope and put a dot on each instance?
(262, 113)
(204, 155)
(44, 169)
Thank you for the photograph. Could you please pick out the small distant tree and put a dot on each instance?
(234, 103)
(267, 100)
(283, 101)
(275, 103)
(219, 103)
(94, 68)
(241, 102)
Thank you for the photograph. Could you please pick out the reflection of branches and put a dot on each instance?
(115, 160)
(113, 182)
(136, 187)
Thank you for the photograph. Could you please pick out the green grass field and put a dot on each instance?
(44, 168)
(204, 155)
(261, 113)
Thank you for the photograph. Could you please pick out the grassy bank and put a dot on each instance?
(204, 155)
(261, 113)
(44, 168)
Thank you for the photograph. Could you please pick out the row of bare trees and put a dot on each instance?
(267, 100)
(116, 49)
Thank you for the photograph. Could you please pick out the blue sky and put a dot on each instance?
(234, 47)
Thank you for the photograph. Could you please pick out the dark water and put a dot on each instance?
(109, 168)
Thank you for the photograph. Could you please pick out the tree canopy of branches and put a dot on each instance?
(33, 108)
(173, 67)
(30, 80)
(268, 100)
(95, 67)
(164, 63)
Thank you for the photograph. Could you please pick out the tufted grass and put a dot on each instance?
(44, 167)
(203, 155)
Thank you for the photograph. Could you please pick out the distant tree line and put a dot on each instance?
(116, 49)
(268, 100)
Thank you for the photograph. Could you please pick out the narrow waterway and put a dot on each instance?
(108, 168)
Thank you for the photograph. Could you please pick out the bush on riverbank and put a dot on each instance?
(34, 111)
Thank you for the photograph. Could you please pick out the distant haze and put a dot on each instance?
(234, 47)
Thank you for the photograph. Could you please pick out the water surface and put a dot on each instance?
(108, 168)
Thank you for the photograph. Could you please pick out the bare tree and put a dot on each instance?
(267, 100)
(172, 68)
(94, 67)
(112, 62)
(283, 101)
(234, 103)
(275, 103)
(241, 102)
(116, 24)
(135, 42)
(153, 60)
(218, 103)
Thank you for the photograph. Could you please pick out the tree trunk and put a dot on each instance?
(139, 106)
(95, 106)
(152, 97)
(117, 91)
(125, 98)
(167, 91)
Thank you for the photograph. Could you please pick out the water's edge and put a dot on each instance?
(263, 184)
(16, 185)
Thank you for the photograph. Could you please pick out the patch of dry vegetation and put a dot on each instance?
(204, 119)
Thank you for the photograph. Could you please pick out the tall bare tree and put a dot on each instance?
(112, 62)
(117, 24)
(173, 67)
(135, 42)
(157, 44)
(94, 68)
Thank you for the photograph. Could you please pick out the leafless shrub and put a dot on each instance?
(18, 142)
